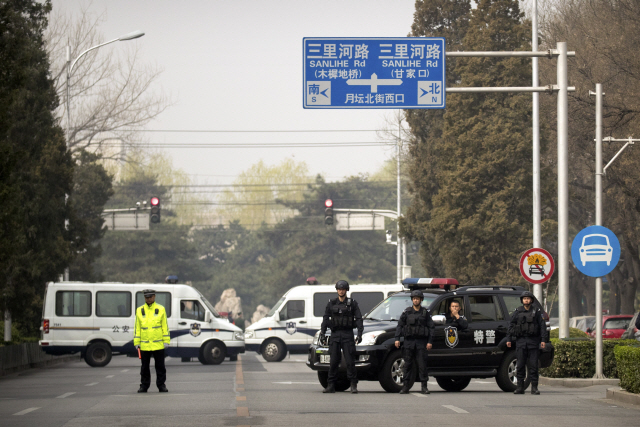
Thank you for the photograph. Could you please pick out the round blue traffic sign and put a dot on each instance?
(595, 251)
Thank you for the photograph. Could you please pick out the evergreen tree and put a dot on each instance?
(36, 170)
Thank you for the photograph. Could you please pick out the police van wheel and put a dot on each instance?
(98, 354)
(390, 377)
(453, 383)
(274, 351)
(506, 378)
(213, 353)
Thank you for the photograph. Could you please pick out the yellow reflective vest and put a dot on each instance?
(151, 331)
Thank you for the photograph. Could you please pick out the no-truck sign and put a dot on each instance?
(536, 266)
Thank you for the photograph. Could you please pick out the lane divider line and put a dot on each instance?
(241, 397)
(456, 409)
(241, 411)
(109, 376)
(62, 396)
(90, 384)
(125, 370)
(26, 411)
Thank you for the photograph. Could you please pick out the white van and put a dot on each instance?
(98, 319)
(297, 316)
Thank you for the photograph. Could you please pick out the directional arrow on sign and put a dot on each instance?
(374, 82)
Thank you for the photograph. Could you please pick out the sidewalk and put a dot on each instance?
(577, 382)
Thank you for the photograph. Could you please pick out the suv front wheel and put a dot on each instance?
(453, 383)
(391, 375)
(506, 377)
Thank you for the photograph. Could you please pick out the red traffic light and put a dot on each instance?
(155, 201)
(328, 203)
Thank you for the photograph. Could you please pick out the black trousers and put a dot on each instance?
(145, 372)
(527, 353)
(342, 341)
(417, 354)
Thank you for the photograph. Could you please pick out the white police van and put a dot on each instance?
(98, 320)
(294, 320)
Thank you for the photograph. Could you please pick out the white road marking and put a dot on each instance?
(124, 370)
(419, 394)
(484, 382)
(90, 384)
(26, 411)
(456, 409)
(62, 396)
(109, 376)
(294, 382)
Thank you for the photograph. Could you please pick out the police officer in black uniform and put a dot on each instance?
(529, 330)
(342, 315)
(454, 318)
(416, 326)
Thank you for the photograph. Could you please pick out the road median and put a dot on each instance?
(19, 357)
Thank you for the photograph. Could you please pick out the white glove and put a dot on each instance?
(166, 345)
(138, 347)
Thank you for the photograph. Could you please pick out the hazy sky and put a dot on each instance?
(237, 65)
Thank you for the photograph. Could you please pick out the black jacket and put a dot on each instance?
(542, 326)
(428, 323)
(460, 323)
(355, 312)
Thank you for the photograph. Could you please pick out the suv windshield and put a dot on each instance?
(392, 307)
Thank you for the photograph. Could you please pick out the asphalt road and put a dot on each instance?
(253, 392)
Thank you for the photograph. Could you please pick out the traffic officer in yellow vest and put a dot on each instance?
(151, 337)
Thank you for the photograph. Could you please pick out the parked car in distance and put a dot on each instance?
(554, 323)
(583, 322)
(613, 326)
(632, 330)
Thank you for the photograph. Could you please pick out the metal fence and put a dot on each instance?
(24, 356)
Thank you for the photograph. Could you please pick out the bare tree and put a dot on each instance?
(110, 90)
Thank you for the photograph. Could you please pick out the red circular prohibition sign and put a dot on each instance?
(552, 266)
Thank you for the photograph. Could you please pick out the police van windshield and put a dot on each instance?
(276, 307)
(210, 307)
(392, 307)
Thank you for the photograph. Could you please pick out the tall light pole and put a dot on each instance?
(537, 235)
(130, 36)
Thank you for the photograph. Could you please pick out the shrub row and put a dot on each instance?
(628, 363)
(577, 358)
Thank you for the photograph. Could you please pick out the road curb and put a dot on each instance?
(43, 364)
(577, 382)
(623, 396)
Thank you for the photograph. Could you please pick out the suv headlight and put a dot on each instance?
(315, 338)
(370, 337)
(238, 336)
(249, 334)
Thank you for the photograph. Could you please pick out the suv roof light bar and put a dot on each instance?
(430, 283)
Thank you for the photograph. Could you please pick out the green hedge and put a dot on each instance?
(573, 333)
(577, 358)
(628, 362)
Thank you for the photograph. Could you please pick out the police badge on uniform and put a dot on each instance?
(451, 336)
(195, 329)
(291, 328)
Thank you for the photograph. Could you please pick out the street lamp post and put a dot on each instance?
(130, 36)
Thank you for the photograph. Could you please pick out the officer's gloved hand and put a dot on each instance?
(166, 345)
(321, 338)
(358, 339)
(137, 347)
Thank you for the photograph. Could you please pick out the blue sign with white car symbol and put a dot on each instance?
(595, 251)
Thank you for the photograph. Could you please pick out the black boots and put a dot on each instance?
(405, 388)
(142, 389)
(354, 387)
(520, 388)
(534, 388)
(163, 389)
(424, 390)
(331, 388)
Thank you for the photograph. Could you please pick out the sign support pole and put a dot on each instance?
(563, 191)
(537, 234)
(599, 350)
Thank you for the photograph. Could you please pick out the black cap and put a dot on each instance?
(148, 292)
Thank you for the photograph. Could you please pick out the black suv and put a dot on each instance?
(457, 355)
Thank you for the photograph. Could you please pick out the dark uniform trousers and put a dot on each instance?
(415, 350)
(527, 353)
(145, 372)
(342, 340)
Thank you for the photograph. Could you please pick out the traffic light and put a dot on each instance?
(154, 213)
(328, 212)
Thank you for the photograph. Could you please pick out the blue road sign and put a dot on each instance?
(595, 251)
(398, 72)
